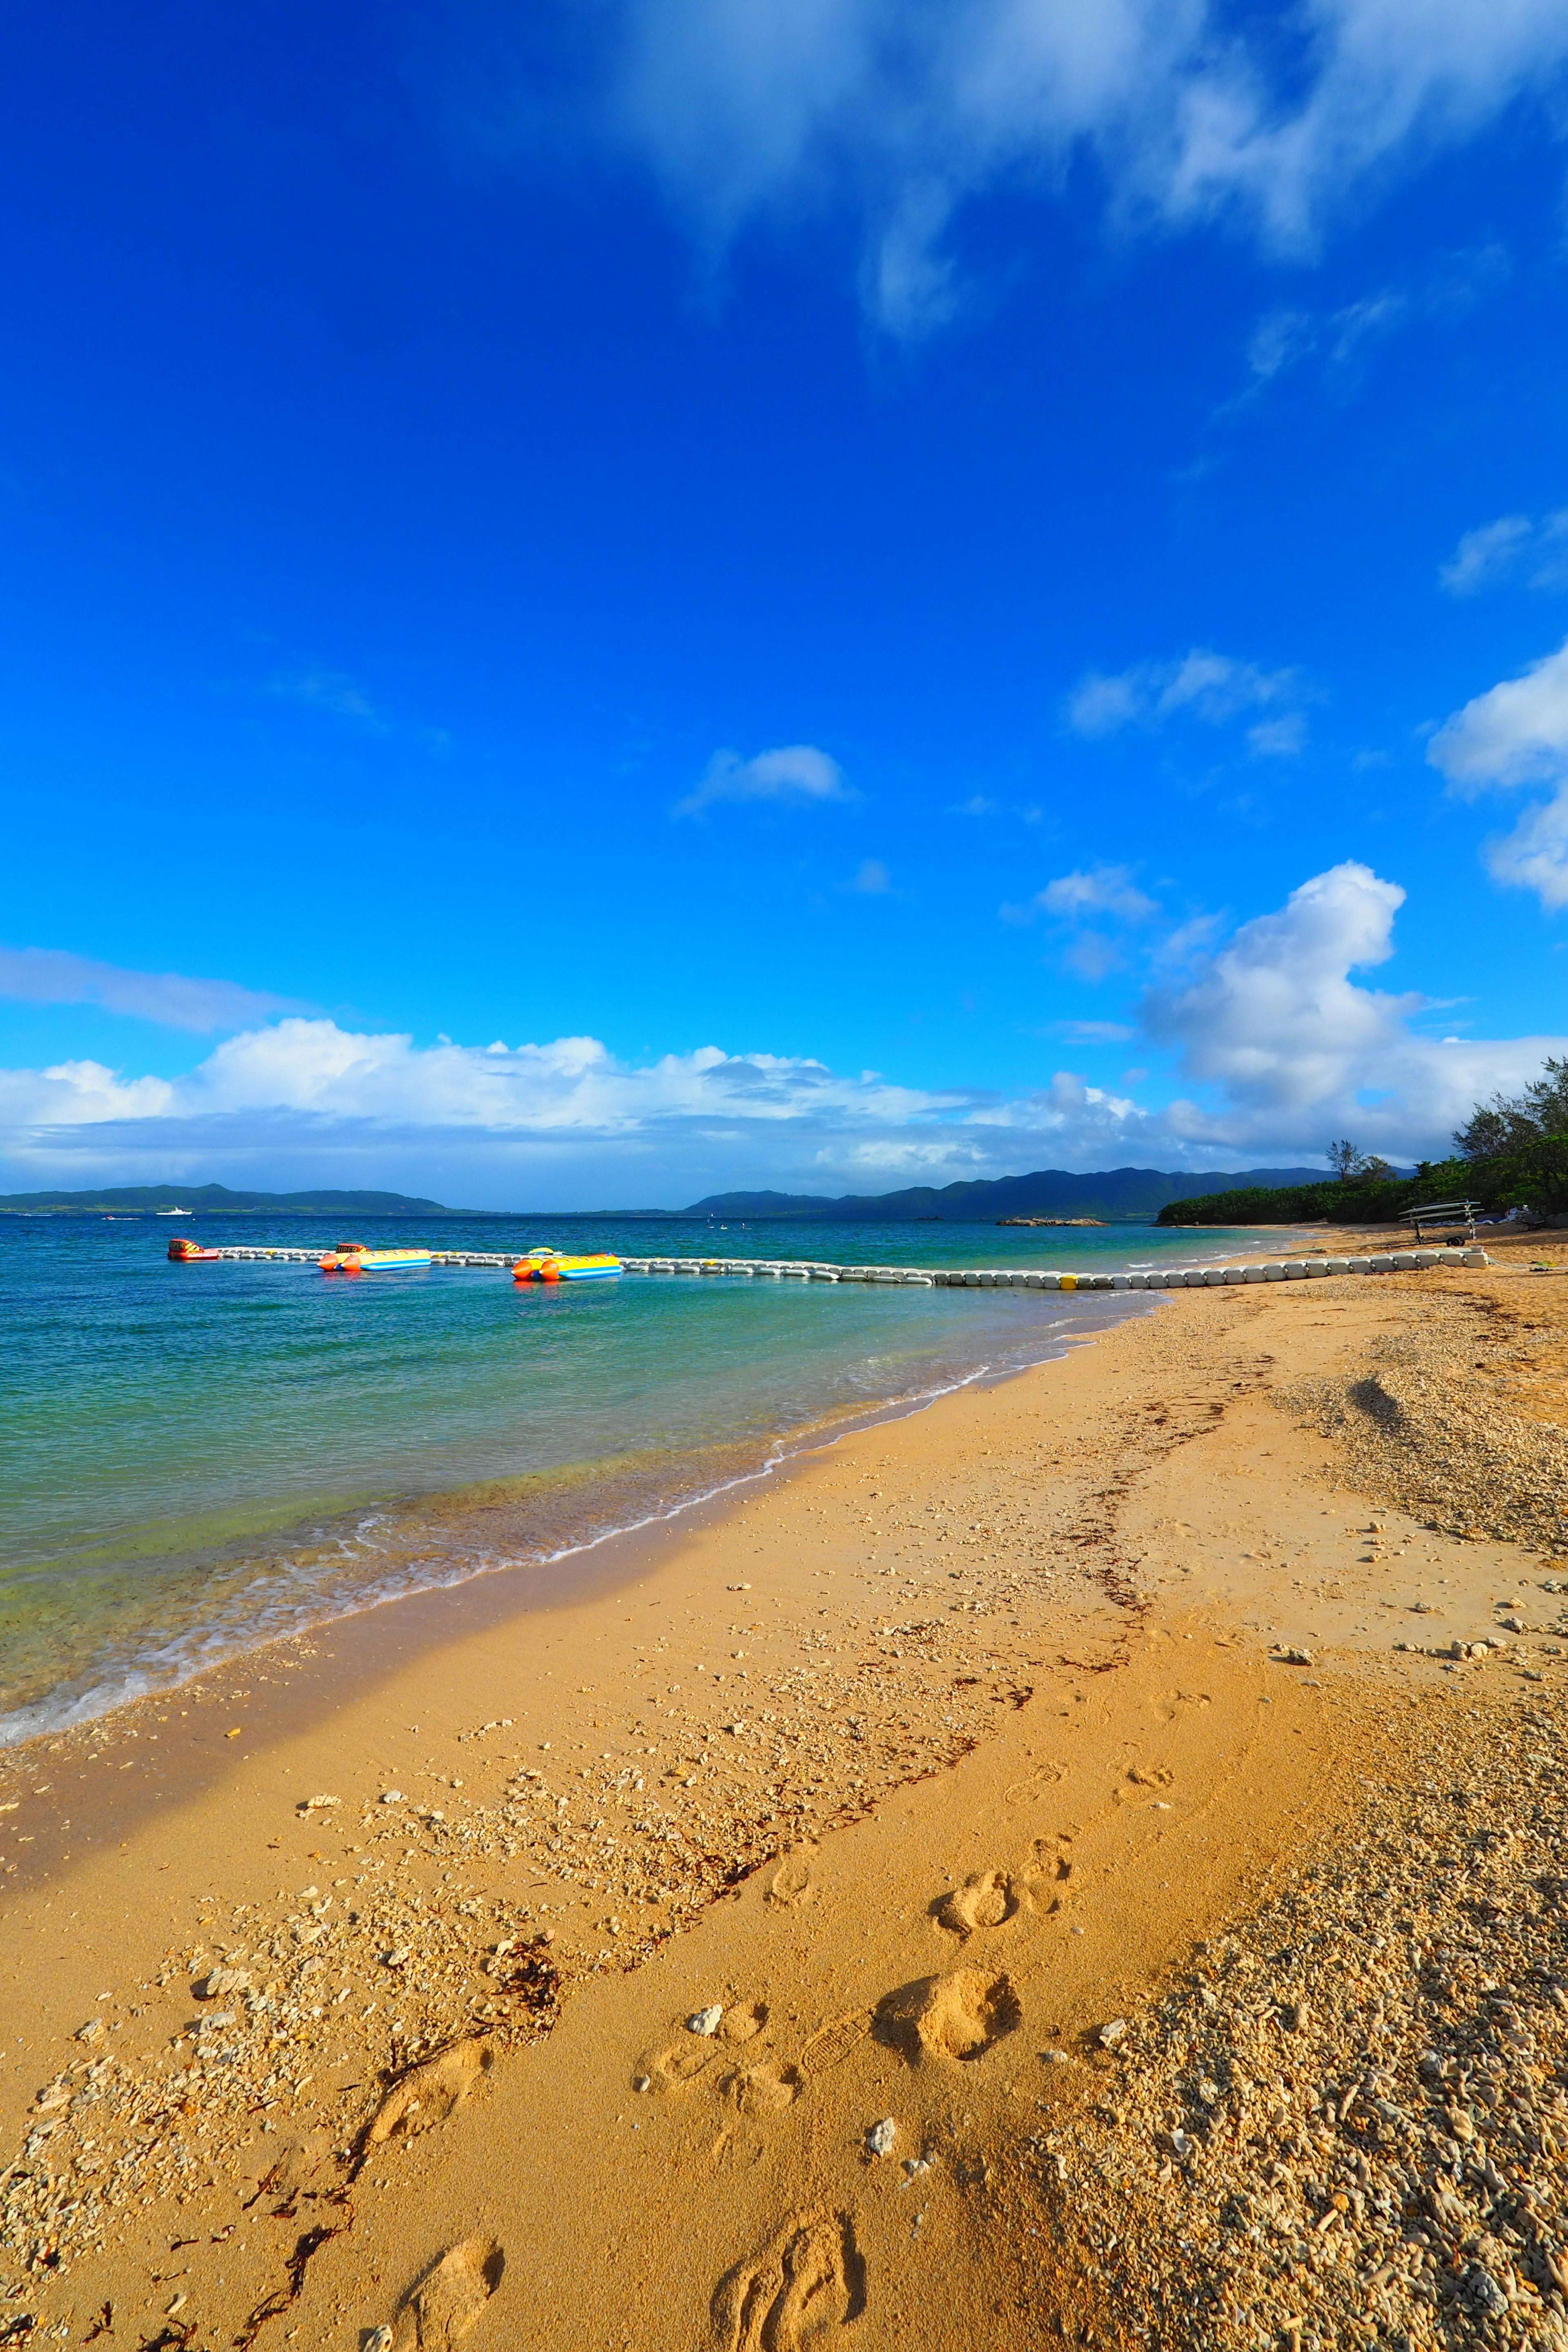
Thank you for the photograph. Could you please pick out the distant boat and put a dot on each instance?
(174, 1213)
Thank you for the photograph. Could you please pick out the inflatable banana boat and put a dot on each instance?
(549, 1265)
(352, 1258)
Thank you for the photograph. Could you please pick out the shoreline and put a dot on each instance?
(459, 1525)
(1059, 1609)
(465, 1516)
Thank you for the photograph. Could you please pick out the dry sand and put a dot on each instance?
(1116, 1817)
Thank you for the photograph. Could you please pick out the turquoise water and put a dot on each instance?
(196, 1457)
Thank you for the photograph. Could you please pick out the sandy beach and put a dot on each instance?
(1080, 1863)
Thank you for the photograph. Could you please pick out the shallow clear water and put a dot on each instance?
(193, 1457)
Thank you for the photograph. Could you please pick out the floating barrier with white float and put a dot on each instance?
(184, 1251)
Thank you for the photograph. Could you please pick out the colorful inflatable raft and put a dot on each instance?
(352, 1258)
(549, 1265)
(185, 1252)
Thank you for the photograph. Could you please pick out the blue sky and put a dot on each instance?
(604, 603)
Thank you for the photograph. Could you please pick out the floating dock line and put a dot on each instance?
(953, 1277)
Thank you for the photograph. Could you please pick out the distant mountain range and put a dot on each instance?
(1111, 1193)
(216, 1199)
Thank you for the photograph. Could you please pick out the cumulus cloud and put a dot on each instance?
(1513, 546)
(794, 776)
(1213, 687)
(559, 1123)
(901, 111)
(1517, 733)
(51, 976)
(1280, 1041)
(1295, 1048)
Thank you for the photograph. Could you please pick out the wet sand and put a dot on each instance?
(923, 1768)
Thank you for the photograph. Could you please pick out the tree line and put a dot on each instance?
(1511, 1153)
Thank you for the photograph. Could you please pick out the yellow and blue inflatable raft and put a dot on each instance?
(550, 1265)
(352, 1258)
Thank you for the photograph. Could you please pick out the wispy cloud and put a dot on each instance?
(797, 776)
(331, 690)
(1096, 1032)
(1514, 734)
(1514, 545)
(53, 976)
(752, 111)
(1098, 890)
(1213, 688)
(871, 879)
(981, 804)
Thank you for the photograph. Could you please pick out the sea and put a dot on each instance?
(198, 1458)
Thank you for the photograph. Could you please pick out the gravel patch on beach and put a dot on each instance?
(1453, 1420)
(1349, 2124)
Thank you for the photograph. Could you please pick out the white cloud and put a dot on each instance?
(1484, 555)
(872, 879)
(1517, 733)
(1201, 685)
(1092, 957)
(1280, 343)
(1296, 1049)
(901, 111)
(52, 976)
(558, 1124)
(795, 775)
(1096, 1032)
(331, 690)
(1280, 1041)
(1101, 889)
(1445, 290)
(1279, 739)
(1501, 550)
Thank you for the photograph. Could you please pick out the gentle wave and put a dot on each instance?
(436, 1543)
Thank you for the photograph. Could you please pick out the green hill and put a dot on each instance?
(217, 1199)
(1113, 1193)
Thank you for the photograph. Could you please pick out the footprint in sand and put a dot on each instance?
(808, 2280)
(672, 2068)
(990, 1899)
(831, 2043)
(791, 1884)
(450, 2298)
(428, 2093)
(292, 2167)
(690, 2054)
(1051, 1876)
(957, 2016)
(767, 2089)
